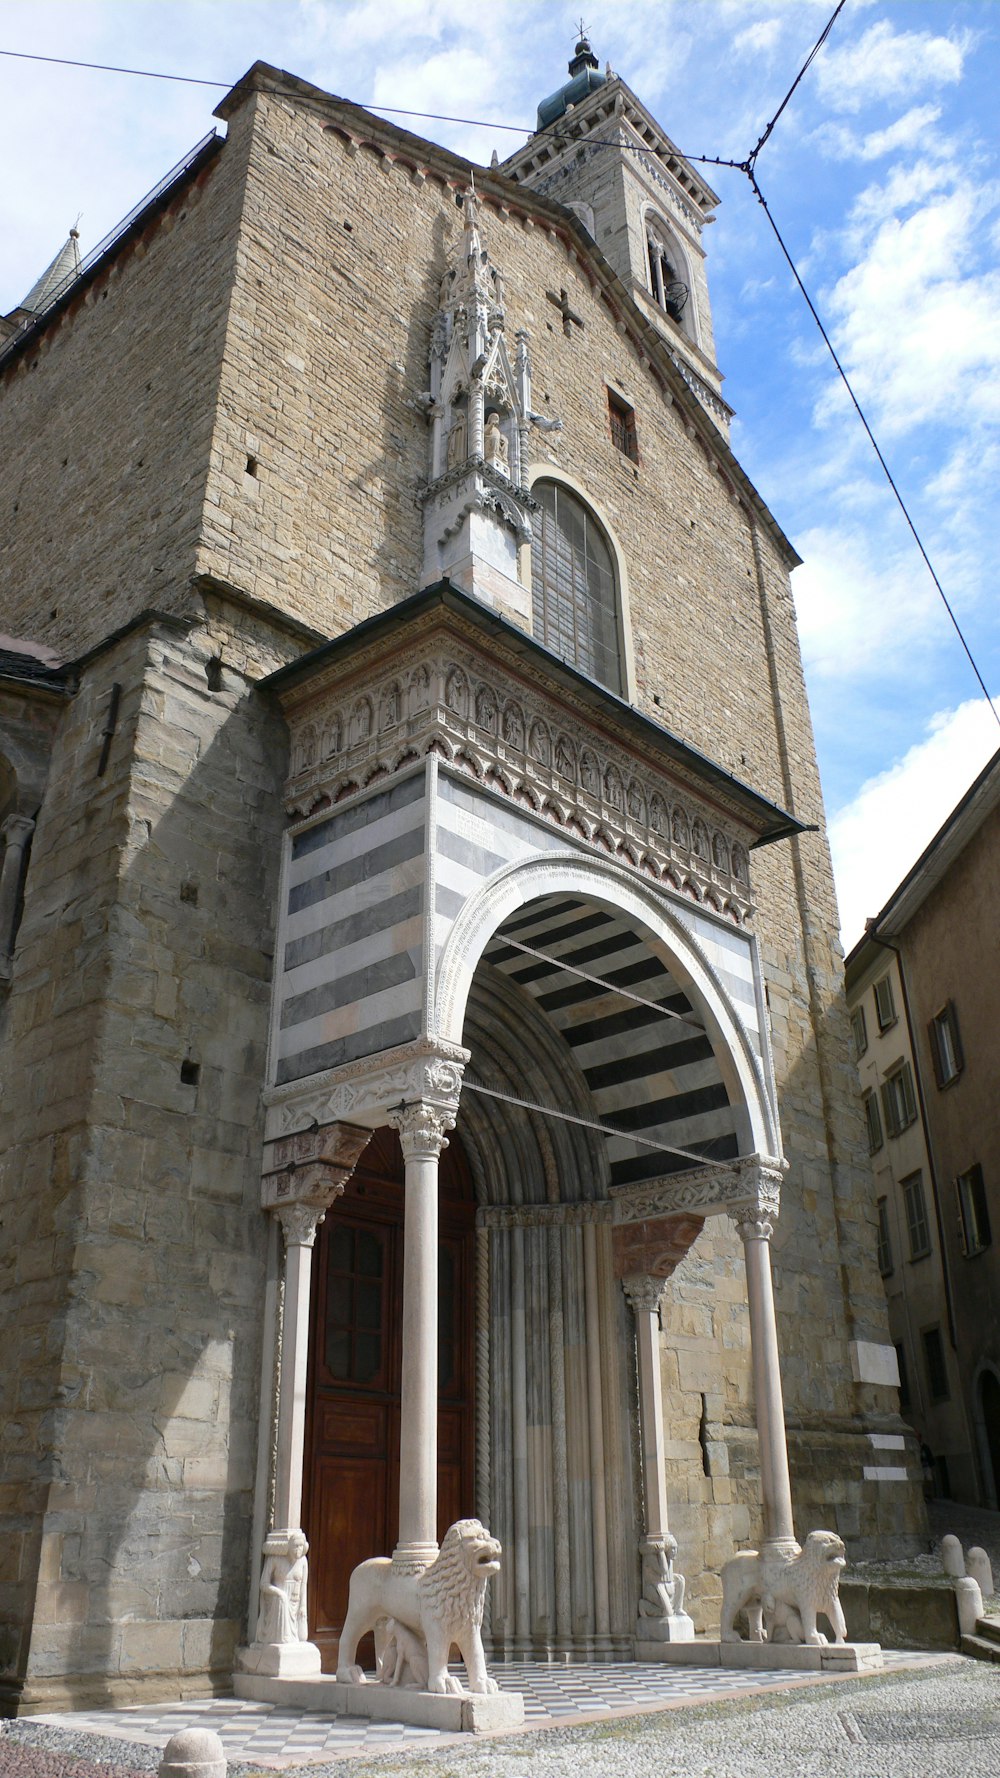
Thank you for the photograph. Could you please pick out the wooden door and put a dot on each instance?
(352, 1433)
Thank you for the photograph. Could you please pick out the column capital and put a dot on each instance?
(422, 1127)
(310, 1167)
(644, 1292)
(761, 1180)
(299, 1222)
(17, 830)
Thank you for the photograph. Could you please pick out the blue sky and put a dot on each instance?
(883, 176)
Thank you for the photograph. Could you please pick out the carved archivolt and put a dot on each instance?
(524, 748)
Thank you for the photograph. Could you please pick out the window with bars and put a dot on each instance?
(884, 1241)
(915, 1206)
(973, 1211)
(885, 1003)
(573, 586)
(621, 418)
(946, 1045)
(934, 1363)
(859, 1033)
(873, 1122)
(899, 1101)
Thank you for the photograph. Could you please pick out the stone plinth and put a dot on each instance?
(678, 1628)
(279, 1660)
(386, 1703)
(766, 1657)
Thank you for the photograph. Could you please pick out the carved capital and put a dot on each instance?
(644, 1293)
(761, 1182)
(17, 831)
(299, 1222)
(422, 1128)
(310, 1167)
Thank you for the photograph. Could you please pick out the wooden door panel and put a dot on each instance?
(349, 1512)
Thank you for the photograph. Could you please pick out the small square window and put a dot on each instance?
(918, 1233)
(937, 1372)
(623, 433)
(873, 1122)
(859, 1032)
(899, 1101)
(946, 1045)
(973, 1211)
(885, 1004)
(884, 1242)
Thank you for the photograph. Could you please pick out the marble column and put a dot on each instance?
(303, 1175)
(755, 1222)
(421, 1129)
(17, 831)
(659, 1619)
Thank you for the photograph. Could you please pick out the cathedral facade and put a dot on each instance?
(427, 1077)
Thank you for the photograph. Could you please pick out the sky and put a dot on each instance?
(883, 176)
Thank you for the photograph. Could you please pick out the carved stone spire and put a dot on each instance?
(476, 503)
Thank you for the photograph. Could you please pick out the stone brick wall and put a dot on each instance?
(133, 1260)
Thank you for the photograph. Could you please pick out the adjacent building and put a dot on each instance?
(922, 987)
(419, 755)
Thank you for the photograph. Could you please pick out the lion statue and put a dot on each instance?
(783, 1595)
(441, 1606)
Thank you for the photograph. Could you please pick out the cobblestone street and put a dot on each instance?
(939, 1717)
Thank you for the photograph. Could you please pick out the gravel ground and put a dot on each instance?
(940, 1722)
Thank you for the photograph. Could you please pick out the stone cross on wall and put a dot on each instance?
(569, 318)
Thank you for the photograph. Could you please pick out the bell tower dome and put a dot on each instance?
(597, 150)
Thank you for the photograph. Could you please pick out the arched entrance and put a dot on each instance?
(352, 1429)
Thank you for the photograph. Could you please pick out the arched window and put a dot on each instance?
(573, 587)
(665, 265)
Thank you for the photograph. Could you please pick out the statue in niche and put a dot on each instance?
(513, 727)
(662, 1589)
(391, 706)
(565, 760)
(456, 692)
(486, 709)
(720, 853)
(699, 841)
(496, 451)
(283, 1589)
(361, 721)
(657, 814)
(458, 439)
(679, 828)
(590, 777)
(540, 743)
(636, 801)
(613, 793)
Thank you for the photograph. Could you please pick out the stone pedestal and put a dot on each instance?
(279, 1660)
(475, 1713)
(679, 1628)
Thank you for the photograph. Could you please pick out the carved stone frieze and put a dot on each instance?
(365, 1091)
(527, 749)
(527, 1216)
(750, 1187)
(311, 1166)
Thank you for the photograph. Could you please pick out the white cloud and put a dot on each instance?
(906, 132)
(758, 38)
(884, 63)
(878, 837)
(862, 613)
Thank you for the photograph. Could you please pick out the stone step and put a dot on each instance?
(989, 1629)
(981, 1648)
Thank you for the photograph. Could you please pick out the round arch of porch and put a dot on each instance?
(607, 885)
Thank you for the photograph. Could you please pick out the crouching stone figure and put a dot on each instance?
(783, 1594)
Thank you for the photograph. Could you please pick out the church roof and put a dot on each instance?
(56, 276)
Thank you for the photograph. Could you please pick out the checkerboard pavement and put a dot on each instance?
(269, 1736)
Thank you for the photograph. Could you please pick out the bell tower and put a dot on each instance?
(597, 150)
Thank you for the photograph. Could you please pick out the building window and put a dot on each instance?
(973, 1211)
(946, 1045)
(573, 589)
(915, 1206)
(898, 1099)
(670, 291)
(885, 1004)
(859, 1032)
(884, 1243)
(622, 420)
(904, 1380)
(937, 1374)
(873, 1122)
